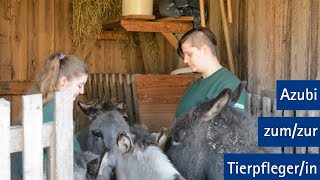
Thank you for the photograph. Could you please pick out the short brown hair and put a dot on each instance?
(199, 36)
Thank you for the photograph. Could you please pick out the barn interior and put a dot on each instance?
(131, 58)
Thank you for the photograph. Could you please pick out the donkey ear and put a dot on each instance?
(86, 109)
(217, 105)
(237, 92)
(124, 142)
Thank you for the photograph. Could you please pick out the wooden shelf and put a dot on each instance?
(143, 23)
(137, 23)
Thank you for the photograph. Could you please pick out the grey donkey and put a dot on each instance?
(200, 138)
(137, 157)
(106, 121)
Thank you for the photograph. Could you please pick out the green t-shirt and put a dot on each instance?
(208, 88)
(48, 116)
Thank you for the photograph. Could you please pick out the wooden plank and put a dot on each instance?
(314, 35)
(318, 57)
(313, 150)
(100, 86)
(5, 139)
(243, 39)
(135, 97)
(64, 135)
(179, 19)
(97, 57)
(266, 107)
(120, 89)
(275, 112)
(134, 61)
(16, 133)
(300, 37)
(261, 75)
(107, 91)
(301, 150)
(5, 52)
(32, 133)
(150, 65)
(33, 39)
(46, 30)
(19, 40)
(88, 87)
(113, 87)
(249, 101)
(129, 99)
(84, 49)
(95, 82)
(226, 36)
(143, 26)
(163, 61)
(282, 38)
(288, 150)
(15, 87)
(214, 24)
(109, 56)
(16, 109)
(62, 26)
(112, 35)
(155, 121)
(158, 97)
(256, 105)
(139, 17)
(110, 24)
(172, 39)
(5, 71)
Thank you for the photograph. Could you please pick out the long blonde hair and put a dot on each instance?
(57, 65)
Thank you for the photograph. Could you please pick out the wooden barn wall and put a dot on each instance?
(283, 41)
(236, 30)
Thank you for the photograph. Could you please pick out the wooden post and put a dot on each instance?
(5, 139)
(226, 36)
(202, 18)
(32, 132)
(229, 8)
(63, 135)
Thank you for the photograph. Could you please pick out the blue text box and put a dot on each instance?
(288, 131)
(271, 166)
(298, 95)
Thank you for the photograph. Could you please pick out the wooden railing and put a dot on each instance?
(33, 136)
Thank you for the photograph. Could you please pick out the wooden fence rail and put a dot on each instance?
(266, 107)
(33, 136)
(114, 87)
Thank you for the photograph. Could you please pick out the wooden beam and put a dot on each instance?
(110, 24)
(84, 49)
(112, 35)
(15, 87)
(173, 19)
(166, 27)
(139, 17)
(172, 39)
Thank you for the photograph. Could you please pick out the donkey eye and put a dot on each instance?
(175, 143)
(97, 133)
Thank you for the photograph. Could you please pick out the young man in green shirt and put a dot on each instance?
(198, 49)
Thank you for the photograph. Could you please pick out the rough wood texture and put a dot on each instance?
(63, 135)
(285, 35)
(16, 133)
(32, 133)
(158, 97)
(14, 87)
(168, 27)
(5, 139)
